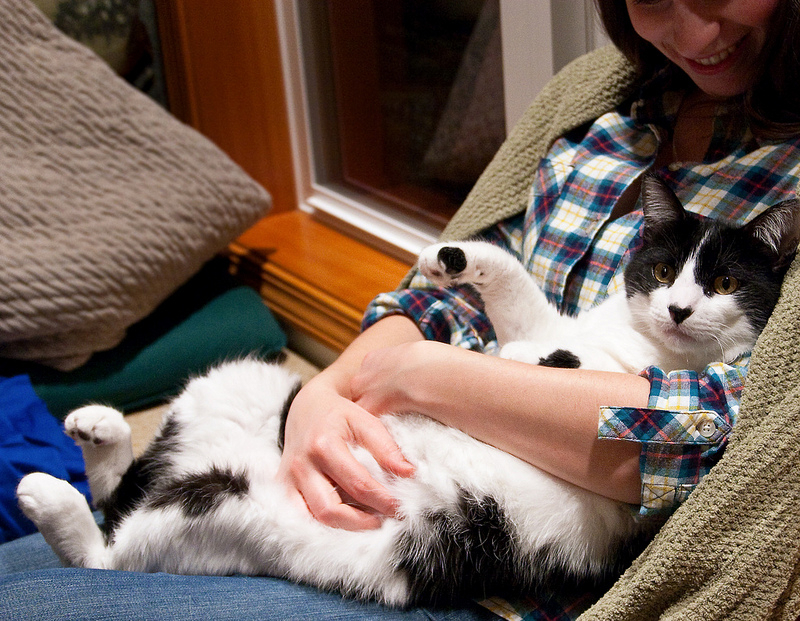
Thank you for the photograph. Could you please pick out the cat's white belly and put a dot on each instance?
(547, 511)
(262, 533)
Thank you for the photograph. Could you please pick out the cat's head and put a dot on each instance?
(697, 284)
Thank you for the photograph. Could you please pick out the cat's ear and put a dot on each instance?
(660, 205)
(779, 228)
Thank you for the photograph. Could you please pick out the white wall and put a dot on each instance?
(539, 38)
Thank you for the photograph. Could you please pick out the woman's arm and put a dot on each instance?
(317, 467)
(548, 417)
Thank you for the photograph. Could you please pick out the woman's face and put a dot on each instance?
(716, 42)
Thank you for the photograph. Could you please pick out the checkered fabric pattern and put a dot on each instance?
(542, 609)
(577, 254)
(681, 437)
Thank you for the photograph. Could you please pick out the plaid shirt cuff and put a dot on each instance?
(452, 316)
(683, 432)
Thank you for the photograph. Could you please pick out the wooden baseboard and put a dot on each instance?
(313, 278)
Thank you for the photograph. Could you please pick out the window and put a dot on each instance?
(398, 105)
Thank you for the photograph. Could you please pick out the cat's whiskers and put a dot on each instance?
(719, 342)
(728, 341)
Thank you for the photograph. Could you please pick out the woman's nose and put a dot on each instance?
(695, 28)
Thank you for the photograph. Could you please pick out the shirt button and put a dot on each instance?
(706, 428)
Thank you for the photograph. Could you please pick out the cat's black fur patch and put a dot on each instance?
(460, 555)
(472, 554)
(200, 493)
(142, 475)
(562, 359)
(285, 414)
(454, 259)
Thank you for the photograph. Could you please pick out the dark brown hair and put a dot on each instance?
(772, 104)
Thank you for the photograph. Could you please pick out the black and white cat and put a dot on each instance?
(474, 520)
(696, 292)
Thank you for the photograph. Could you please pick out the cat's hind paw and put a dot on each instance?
(48, 501)
(97, 425)
(64, 518)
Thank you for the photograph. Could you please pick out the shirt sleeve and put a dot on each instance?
(448, 315)
(683, 431)
(452, 316)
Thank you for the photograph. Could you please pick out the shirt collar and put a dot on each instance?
(657, 103)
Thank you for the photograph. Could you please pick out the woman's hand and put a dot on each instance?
(320, 473)
(318, 468)
(545, 416)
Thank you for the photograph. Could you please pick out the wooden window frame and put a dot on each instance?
(230, 72)
(224, 76)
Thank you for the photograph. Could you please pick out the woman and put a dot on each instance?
(690, 57)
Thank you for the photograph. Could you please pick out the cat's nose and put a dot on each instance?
(678, 314)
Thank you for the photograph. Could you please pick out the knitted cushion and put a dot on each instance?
(107, 203)
(206, 321)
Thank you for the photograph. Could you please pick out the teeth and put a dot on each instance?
(717, 58)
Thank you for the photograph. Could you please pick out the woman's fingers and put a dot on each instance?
(318, 464)
(376, 439)
(328, 504)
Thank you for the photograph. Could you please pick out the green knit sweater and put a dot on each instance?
(732, 550)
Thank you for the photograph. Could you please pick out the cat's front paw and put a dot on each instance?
(453, 263)
(47, 501)
(97, 425)
(442, 263)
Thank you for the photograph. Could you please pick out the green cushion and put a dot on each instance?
(208, 320)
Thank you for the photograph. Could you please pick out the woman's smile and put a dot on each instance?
(716, 59)
(718, 45)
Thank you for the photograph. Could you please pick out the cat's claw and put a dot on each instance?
(96, 425)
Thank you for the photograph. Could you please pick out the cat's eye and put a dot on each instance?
(725, 285)
(664, 273)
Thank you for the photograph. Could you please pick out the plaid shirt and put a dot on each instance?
(577, 255)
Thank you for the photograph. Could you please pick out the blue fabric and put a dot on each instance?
(31, 440)
(34, 586)
(114, 596)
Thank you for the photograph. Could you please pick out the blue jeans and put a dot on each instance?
(33, 585)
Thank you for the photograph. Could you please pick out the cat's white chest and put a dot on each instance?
(602, 338)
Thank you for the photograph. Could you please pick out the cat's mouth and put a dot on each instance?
(678, 337)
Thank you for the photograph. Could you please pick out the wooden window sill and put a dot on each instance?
(314, 279)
